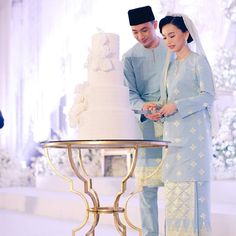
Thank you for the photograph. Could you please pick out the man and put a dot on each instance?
(143, 66)
(1, 120)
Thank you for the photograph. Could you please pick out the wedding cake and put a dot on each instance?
(101, 108)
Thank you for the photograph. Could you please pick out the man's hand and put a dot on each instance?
(155, 114)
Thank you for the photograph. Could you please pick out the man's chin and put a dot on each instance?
(146, 45)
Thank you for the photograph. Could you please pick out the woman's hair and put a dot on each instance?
(176, 21)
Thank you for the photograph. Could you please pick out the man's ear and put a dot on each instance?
(155, 24)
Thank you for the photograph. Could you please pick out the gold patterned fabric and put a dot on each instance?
(148, 173)
(187, 209)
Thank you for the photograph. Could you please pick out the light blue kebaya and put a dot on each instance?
(189, 85)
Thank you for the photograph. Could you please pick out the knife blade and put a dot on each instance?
(142, 112)
(145, 112)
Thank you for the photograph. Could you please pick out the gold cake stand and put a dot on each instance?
(93, 206)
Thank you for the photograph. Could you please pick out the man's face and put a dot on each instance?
(145, 33)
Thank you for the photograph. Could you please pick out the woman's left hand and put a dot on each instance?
(168, 109)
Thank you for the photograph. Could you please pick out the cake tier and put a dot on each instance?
(103, 108)
(109, 123)
(105, 44)
(107, 97)
(113, 77)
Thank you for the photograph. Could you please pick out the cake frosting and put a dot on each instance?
(101, 108)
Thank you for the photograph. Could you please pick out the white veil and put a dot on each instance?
(194, 33)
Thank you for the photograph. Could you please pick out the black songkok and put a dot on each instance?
(140, 15)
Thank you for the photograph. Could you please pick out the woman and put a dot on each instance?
(188, 94)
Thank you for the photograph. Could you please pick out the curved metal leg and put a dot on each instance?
(121, 228)
(119, 225)
(71, 189)
(126, 213)
(84, 177)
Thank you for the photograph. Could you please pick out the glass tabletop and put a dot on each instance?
(105, 143)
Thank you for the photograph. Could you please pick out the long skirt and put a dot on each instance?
(187, 208)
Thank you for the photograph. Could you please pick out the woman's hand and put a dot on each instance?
(168, 109)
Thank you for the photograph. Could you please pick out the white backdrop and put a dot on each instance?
(44, 46)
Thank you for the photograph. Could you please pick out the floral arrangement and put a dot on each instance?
(13, 173)
(60, 160)
(224, 146)
(224, 162)
(225, 70)
(230, 10)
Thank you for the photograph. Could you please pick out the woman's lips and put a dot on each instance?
(171, 46)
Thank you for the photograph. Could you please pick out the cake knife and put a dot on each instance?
(145, 112)
(142, 112)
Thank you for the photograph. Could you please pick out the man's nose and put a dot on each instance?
(140, 35)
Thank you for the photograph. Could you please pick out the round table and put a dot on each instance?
(88, 192)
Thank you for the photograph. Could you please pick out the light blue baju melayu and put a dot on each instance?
(189, 85)
(143, 69)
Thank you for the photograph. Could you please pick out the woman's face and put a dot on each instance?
(145, 33)
(174, 38)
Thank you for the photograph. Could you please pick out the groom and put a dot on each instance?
(143, 66)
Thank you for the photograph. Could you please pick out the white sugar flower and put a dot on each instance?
(79, 105)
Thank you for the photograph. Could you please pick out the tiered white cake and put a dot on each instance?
(101, 108)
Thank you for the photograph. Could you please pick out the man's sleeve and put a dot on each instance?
(130, 81)
(136, 101)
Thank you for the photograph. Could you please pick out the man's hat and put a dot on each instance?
(140, 15)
